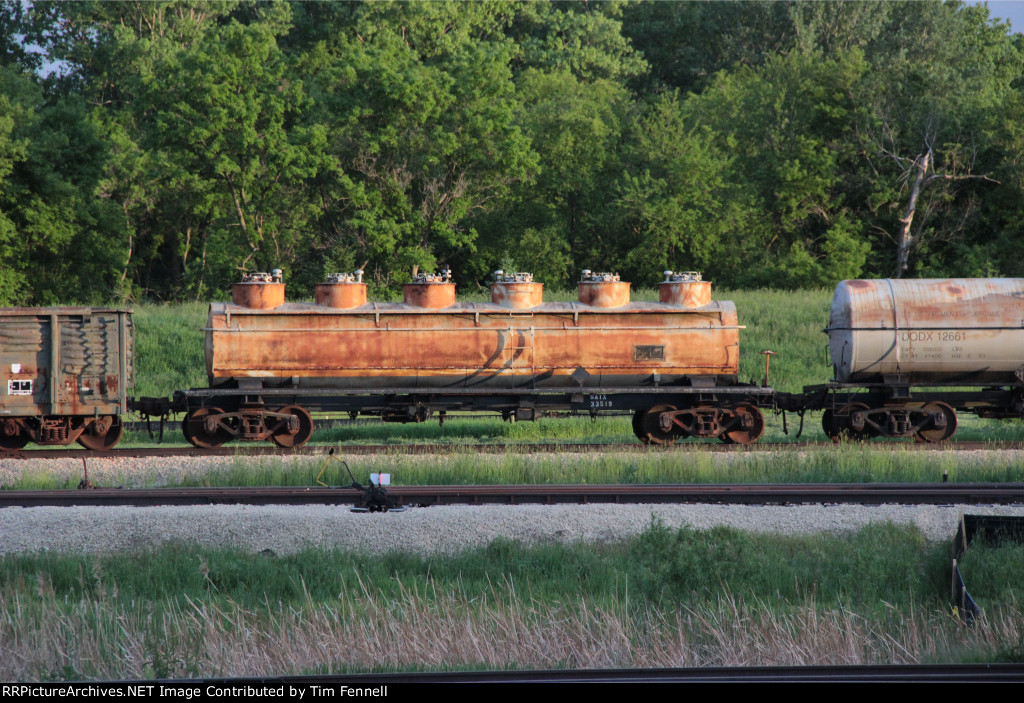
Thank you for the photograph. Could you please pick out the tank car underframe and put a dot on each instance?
(926, 413)
(662, 415)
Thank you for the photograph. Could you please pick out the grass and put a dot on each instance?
(994, 572)
(169, 342)
(827, 464)
(666, 598)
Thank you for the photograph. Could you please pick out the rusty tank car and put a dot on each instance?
(673, 363)
(908, 355)
(66, 373)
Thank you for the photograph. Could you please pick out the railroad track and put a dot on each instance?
(891, 673)
(406, 496)
(537, 448)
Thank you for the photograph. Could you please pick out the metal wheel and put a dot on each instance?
(828, 425)
(194, 429)
(638, 425)
(749, 415)
(287, 440)
(651, 427)
(937, 434)
(103, 433)
(12, 438)
(846, 411)
(837, 424)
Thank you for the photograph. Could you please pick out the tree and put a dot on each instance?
(674, 205)
(938, 73)
(417, 104)
(224, 119)
(789, 125)
(687, 43)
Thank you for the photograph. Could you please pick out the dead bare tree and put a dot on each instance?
(917, 173)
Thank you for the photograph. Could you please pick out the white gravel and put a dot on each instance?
(285, 529)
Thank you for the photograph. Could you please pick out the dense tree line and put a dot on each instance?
(780, 144)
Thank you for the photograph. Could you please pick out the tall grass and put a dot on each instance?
(666, 598)
(450, 631)
(828, 464)
(169, 343)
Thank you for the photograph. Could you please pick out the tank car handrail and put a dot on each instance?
(923, 329)
(463, 330)
(638, 306)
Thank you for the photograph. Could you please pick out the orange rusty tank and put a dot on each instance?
(259, 291)
(430, 290)
(341, 290)
(470, 345)
(516, 290)
(685, 289)
(603, 290)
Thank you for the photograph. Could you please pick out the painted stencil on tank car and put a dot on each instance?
(649, 352)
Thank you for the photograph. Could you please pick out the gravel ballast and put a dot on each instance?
(287, 529)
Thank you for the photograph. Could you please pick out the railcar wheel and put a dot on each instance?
(828, 425)
(651, 426)
(745, 414)
(194, 429)
(287, 440)
(845, 415)
(837, 424)
(12, 437)
(103, 433)
(638, 425)
(937, 434)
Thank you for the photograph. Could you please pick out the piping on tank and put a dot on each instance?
(516, 290)
(259, 291)
(430, 290)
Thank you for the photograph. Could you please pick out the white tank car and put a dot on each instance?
(952, 331)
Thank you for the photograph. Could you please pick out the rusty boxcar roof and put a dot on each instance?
(63, 310)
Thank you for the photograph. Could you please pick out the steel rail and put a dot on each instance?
(726, 494)
(887, 673)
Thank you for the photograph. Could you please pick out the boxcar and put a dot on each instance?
(65, 374)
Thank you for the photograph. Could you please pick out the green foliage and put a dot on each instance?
(224, 124)
(876, 567)
(768, 143)
(791, 164)
(674, 200)
(881, 566)
(420, 117)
